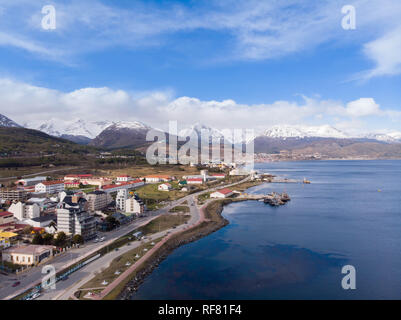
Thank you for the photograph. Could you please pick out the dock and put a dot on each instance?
(274, 199)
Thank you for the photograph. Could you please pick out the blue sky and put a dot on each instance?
(251, 63)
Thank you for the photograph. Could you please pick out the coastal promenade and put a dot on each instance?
(148, 254)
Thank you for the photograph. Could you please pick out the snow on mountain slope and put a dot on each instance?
(287, 131)
(90, 129)
(7, 122)
(202, 131)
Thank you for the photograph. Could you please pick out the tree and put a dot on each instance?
(37, 239)
(111, 222)
(60, 239)
(48, 238)
(77, 239)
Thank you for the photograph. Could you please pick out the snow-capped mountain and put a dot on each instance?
(82, 128)
(202, 131)
(122, 134)
(385, 137)
(7, 122)
(287, 131)
(89, 129)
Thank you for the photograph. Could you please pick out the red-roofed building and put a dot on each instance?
(50, 187)
(6, 217)
(222, 193)
(123, 185)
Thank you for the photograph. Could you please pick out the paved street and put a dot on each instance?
(34, 275)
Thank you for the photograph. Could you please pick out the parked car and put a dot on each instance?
(15, 284)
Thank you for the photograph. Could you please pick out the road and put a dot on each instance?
(33, 276)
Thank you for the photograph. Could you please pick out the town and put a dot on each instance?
(49, 219)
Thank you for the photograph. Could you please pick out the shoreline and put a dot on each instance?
(213, 222)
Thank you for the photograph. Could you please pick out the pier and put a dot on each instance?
(274, 199)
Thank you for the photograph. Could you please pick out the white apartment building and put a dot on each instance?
(50, 187)
(134, 205)
(121, 199)
(22, 211)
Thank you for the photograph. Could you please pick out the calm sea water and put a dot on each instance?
(297, 251)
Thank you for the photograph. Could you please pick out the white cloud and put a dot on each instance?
(386, 54)
(25, 103)
(252, 29)
(363, 107)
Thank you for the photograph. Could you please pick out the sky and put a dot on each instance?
(226, 63)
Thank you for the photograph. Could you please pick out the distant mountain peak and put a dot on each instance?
(298, 131)
(7, 122)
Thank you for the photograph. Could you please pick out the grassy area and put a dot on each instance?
(163, 222)
(246, 185)
(143, 170)
(203, 198)
(180, 209)
(154, 198)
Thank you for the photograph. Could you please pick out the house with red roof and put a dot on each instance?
(222, 193)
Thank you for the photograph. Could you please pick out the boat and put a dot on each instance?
(306, 181)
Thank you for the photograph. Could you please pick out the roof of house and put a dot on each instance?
(6, 234)
(29, 249)
(195, 179)
(44, 218)
(5, 214)
(224, 191)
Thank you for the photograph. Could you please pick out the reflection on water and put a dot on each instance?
(297, 251)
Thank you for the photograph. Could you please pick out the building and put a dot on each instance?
(134, 205)
(27, 255)
(157, 178)
(121, 198)
(30, 182)
(218, 175)
(6, 238)
(72, 177)
(222, 193)
(13, 194)
(73, 217)
(23, 211)
(195, 181)
(124, 178)
(74, 180)
(123, 185)
(6, 217)
(50, 187)
(98, 200)
(164, 187)
(42, 222)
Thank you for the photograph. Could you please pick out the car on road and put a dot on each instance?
(16, 284)
(116, 249)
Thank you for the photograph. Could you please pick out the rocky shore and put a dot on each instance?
(214, 221)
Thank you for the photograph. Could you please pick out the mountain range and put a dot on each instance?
(122, 134)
